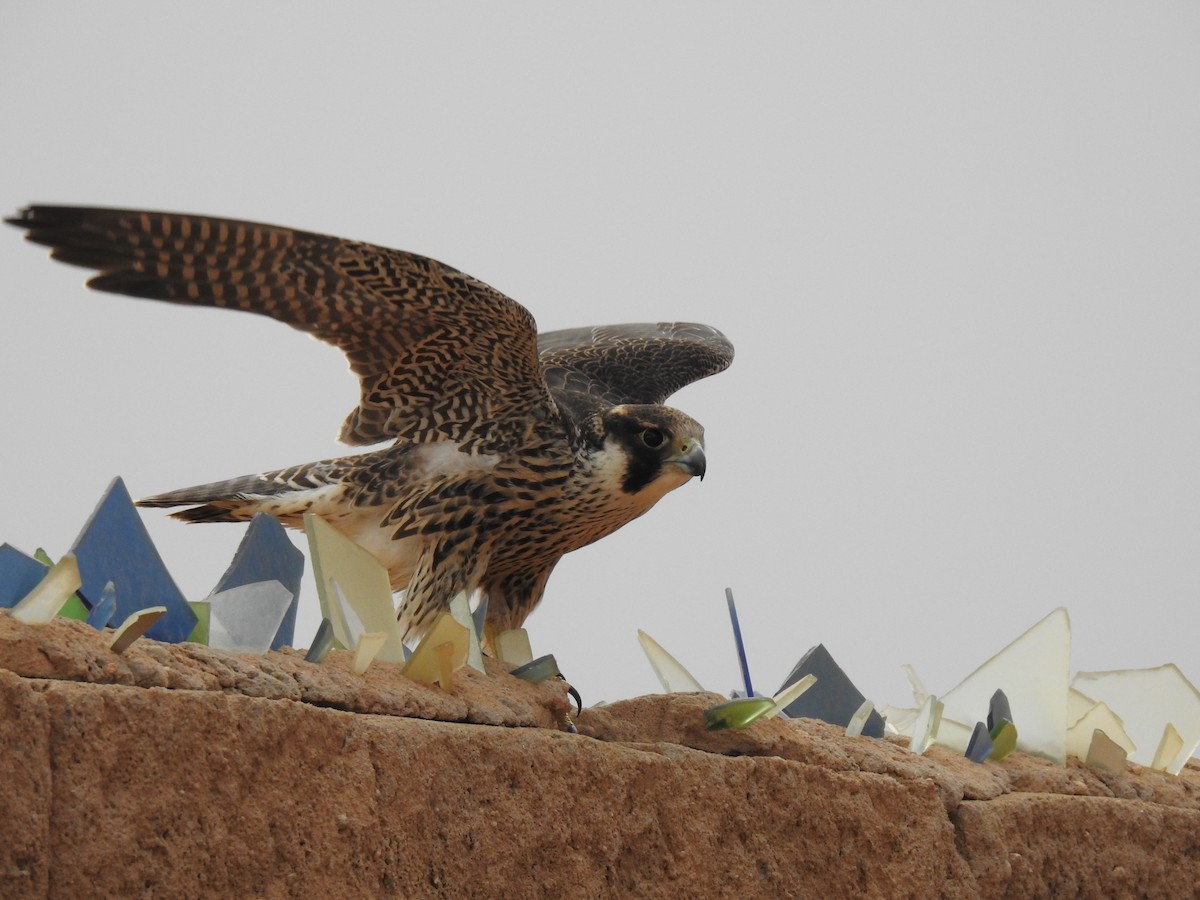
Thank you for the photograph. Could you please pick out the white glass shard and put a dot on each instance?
(673, 677)
(926, 727)
(855, 726)
(1168, 749)
(365, 585)
(513, 647)
(1079, 704)
(367, 649)
(1146, 700)
(460, 608)
(50, 594)
(134, 626)
(1079, 735)
(1033, 672)
(427, 664)
(785, 697)
(244, 619)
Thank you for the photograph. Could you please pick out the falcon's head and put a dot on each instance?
(654, 449)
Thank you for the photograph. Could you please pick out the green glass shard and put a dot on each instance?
(367, 649)
(42, 604)
(199, 634)
(1105, 754)
(673, 677)
(512, 646)
(737, 714)
(1004, 740)
(134, 627)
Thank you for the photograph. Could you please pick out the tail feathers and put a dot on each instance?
(235, 500)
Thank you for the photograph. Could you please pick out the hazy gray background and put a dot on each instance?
(956, 248)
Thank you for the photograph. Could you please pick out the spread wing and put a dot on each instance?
(437, 353)
(587, 368)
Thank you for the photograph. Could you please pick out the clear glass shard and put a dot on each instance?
(1033, 672)
(367, 649)
(134, 627)
(101, 614)
(245, 619)
(425, 665)
(512, 646)
(859, 719)
(1169, 747)
(926, 727)
(365, 587)
(42, 603)
(790, 693)
(673, 677)
(737, 714)
(460, 608)
(1146, 700)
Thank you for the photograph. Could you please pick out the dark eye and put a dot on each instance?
(652, 438)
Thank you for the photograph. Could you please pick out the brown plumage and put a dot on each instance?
(508, 448)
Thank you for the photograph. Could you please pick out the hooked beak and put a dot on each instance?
(691, 459)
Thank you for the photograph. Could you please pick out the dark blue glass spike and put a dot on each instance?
(834, 698)
(737, 640)
(102, 611)
(479, 616)
(322, 642)
(267, 554)
(998, 710)
(19, 574)
(114, 546)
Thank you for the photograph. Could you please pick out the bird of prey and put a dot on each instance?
(507, 448)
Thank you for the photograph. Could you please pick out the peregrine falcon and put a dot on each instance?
(507, 448)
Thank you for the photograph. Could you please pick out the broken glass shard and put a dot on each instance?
(367, 649)
(673, 677)
(926, 727)
(1098, 717)
(42, 604)
(1146, 700)
(424, 665)
(134, 627)
(460, 608)
(366, 590)
(738, 644)
(980, 746)
(1004, 739)
(790, 693)
(267, 554)
(737, 714)
(246, 618)
(512, 646)
(855, 726)
(1033, 671)
(1105, 754)
(322, 643)
(19, 574)
(835, 699)
(537, 671)
(1168, 749)
(101, 614)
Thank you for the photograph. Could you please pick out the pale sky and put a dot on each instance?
(956, 246)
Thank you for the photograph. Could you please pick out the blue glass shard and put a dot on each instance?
(998, 710)
(480, 615)
(737, 640)
(980, 746)
(104, 609)
(267, 554)
(322, 643)
(19, 574)
(834, 698)
(114, 546)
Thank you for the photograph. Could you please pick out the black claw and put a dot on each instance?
(578, 700)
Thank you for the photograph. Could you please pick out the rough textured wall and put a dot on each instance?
(179, 771)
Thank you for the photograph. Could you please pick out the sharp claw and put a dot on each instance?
(578, 700)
